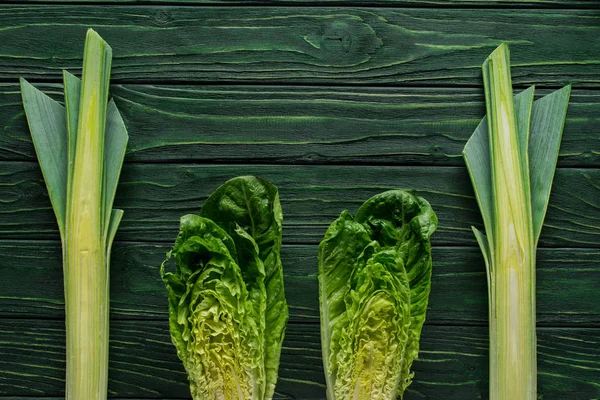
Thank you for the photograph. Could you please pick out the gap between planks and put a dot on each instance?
(539, 326)
(242, 162)
(375, 4)
(446, 246)
(300, 84)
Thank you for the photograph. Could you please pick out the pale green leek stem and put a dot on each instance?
(512, 339)
(86, 261)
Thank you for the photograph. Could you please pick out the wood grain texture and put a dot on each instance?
(362, 46)
(589, 4)
(143, 363)
(399, 126)
(155, 196)
(196, 87)
(567, 283)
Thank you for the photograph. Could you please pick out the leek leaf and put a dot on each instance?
(115, 220)
(47, 124)
(72, 91)
(115, 145)
(523, 103)
(483, 243)
(477, 157)
(547, 123)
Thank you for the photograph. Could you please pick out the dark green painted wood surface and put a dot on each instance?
(567, 279)
(362, 46)
(333, 102)
(292, 124)
(155, 195)
(143, 364)
(399, 3)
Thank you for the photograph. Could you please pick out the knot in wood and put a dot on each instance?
(162, 17)
(336, 37)
(343, 41)
(32, 190)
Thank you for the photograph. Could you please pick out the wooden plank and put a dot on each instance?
(155, 196)
(591, 4)
(362, 46)
(143, 362)
(287, 125)
(567, 283)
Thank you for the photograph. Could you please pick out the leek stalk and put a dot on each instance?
(511, 159)
(80, 149)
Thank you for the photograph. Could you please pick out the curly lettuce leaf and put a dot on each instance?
(343, 243)
(406, 221)
(252, 205)
(226, 301)
(378, 318)
(212, 317)
(374, 281)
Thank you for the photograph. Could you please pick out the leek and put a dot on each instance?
(511, 158)
(80, 149)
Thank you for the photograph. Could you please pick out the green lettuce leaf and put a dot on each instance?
(228, 282)
(374, 281)
(405, 221)
(252, 204)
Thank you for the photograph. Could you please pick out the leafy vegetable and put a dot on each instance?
(226, 301)
(374, 282)
(81, 151)
(511, 158)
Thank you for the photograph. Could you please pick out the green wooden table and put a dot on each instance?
(333, 101)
